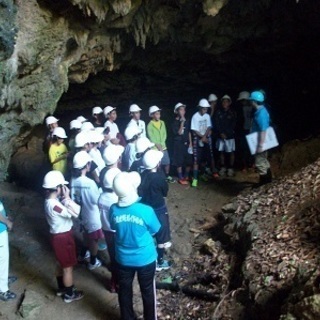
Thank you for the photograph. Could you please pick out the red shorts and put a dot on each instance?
(64, 248)
(95, 235)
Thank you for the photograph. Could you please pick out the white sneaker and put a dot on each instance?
(94, 266)
(222, 172)
(230, 172)
(86, 257)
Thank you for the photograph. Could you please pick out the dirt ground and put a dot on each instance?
(32, 259)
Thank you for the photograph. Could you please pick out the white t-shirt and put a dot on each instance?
(97, 158)
(201, 123)
(114, 130)
(58, 217)
(141, 125)
(106, 200)
(85, 192)
(129, 156)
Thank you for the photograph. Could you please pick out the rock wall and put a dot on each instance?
(45, 45)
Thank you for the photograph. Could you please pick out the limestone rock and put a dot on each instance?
(32, 304)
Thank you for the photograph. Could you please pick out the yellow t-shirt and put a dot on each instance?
(55, 152)
(157, 124)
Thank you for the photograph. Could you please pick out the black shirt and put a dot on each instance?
(175, 128)
(153, 189)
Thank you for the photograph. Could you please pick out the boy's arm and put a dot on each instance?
(54, 159)
(5, 221)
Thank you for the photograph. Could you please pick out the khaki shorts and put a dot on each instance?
(261, 162)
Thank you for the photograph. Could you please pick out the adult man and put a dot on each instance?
(260, 124)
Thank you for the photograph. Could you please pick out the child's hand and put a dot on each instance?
(65, 191)
(204, 139)
(223, 136)
(9, 224)
(159, 147)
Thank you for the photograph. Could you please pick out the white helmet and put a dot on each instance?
(244, 95)
(75, 124)
(109, 177)
(97, 110)
(143, 144)
(87, 126)
(226, 97)
(151, 159)
(82, 119)
(212, 97)
(80, 140)
(178, 105)
(59, 132)
(125, 186)
(94, 136)
(203, 103)
(134, 108)
(112, 154)
(131, 131)
(53, 179)
(153, 109)
(81, 159)
(107, 110)
(51, 120)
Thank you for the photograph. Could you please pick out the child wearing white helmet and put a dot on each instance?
(153, 191)
(182, 142)
(75, 127)
(111, 115)
(58, 152)
(132, 134)
(142, 146)
(85, 192)
(51, 124)
(135, 224)
(59, 216)
(95, 139)
(157, 133)
(135, 114)
(212, 99)
(97, 117)
(201, 127)
(106, 200)
(225, 124)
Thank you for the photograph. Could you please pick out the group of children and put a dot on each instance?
(110, 173)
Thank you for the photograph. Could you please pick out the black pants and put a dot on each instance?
(148, 291)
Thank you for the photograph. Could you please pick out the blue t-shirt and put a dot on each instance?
(134, 225)
(261, 120)
(3, 227)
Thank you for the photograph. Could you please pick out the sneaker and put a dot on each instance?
(194, 183)
(230, 172)
(163, 266)
(61, 292)
(94, 266)
(8, 295)
(170, 179)
(204, 177)
(216, 176)
(188, 179)
(222, 172)
(86, 257)
(76, 295)
(183, 181)
(208, 171)
(11, 280)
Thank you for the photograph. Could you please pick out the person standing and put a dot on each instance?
(5, 226)
(59, 216)
(260, 124)
(135, 224)
(157, 133)
(135, 113)
(225, 123)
